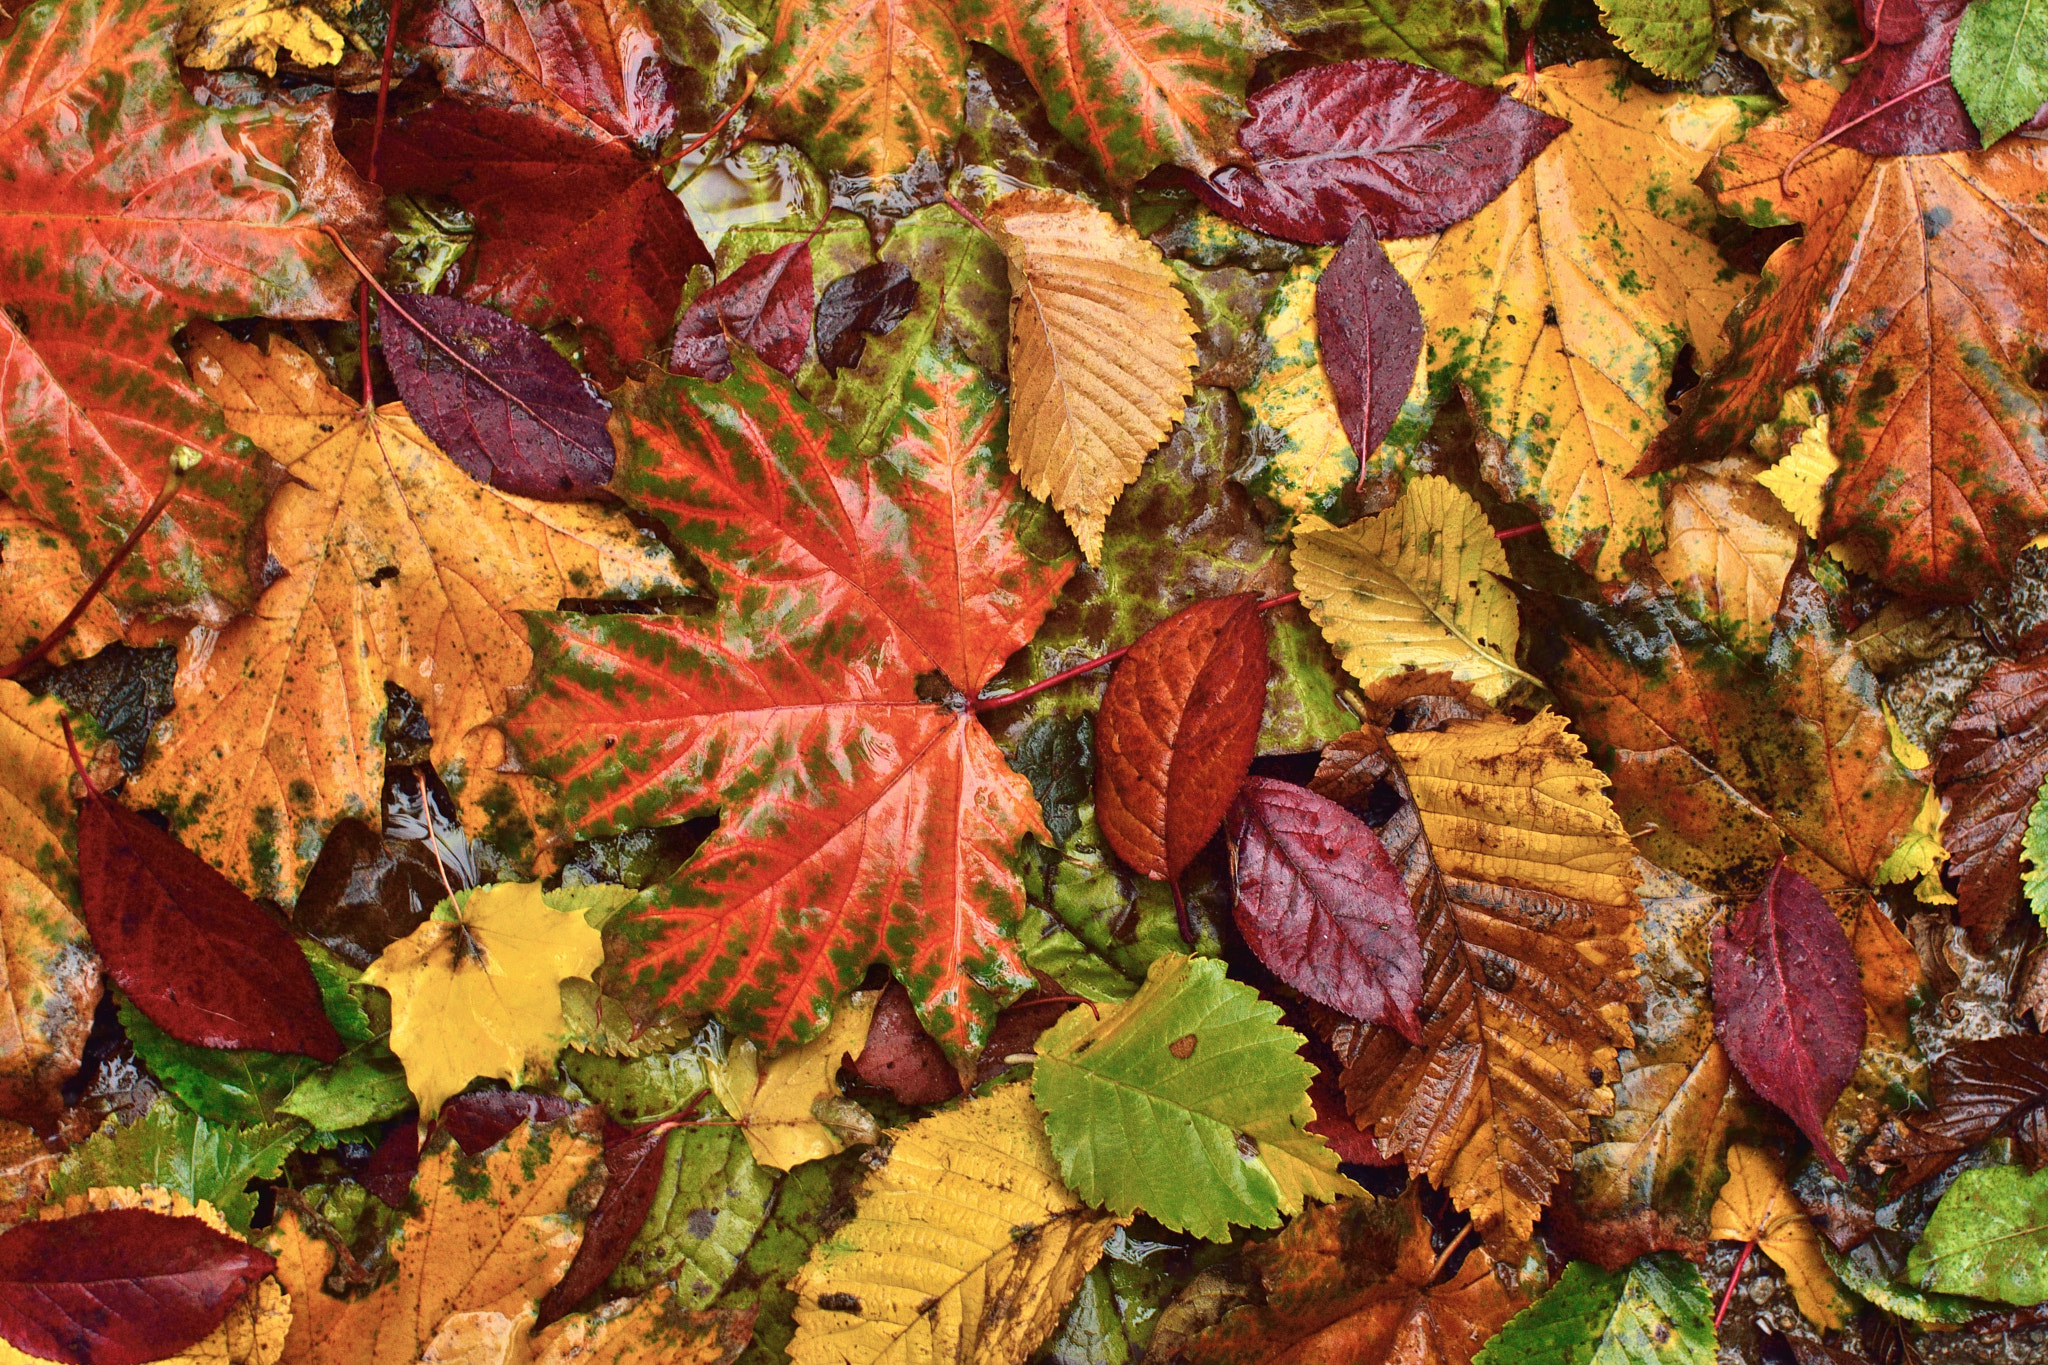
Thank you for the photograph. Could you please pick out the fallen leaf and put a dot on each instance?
(649, 1330)
(1402, 147)
(882, 1288)
(485, 1118)
(1981, 1087)
(51, 976)
(1322, 906)
(1417, 587)
(873, 300)
(1912, 300)
(41, 577)
(1188, 1100)
(633, 1167)
(2000, 65)
(183, 1153)
(1523, 885)
(133, 210)
(900, 1057)
(765, 303)
(1562, 306)
(217, 34)
(1654, 1312)
(1354, 1281)
(1468, 41)
(399, 567)
(511, 412)
(1800, 480)
(839, 580)
(778, 1102)
(1673, 40)
(1757, 1205)
(1371, 330)
(1788, 1003)
(1728, 545)
(1137, 83)
(120, 1286)
(1291, 407)
(1988, 1238)
(1883, 113)
(1177, 730)
(865, 87)
(1989, 766)
(1101, 348)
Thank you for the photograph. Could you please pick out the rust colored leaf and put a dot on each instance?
(1981, 1087)
(1788, 1003)
(632, 1174)
(1989, 766)
(1371, 330)
(1335, 1126)
(1913, 47)
(119, 1286)
(511, 412)
(1321, 904)
(208, 965)
(1353, 1282)
(901, 1057)
(766, 303)
(1407, 149)
(1176, 732)
(871, 300)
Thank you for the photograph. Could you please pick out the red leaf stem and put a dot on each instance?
(1832, 134)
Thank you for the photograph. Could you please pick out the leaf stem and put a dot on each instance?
(1876, 22)
(56, 634)
(1734, 1278)
(433, 844)
(1443, 1257)
(1180, 912)
(1825, 138)
(746, 92)
(363, 344)
(1514, 531)
(77, 762)
(383, 86)
(969, 214)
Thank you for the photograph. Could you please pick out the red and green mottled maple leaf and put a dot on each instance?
(865, 86)
(127, 210)
(859, 822)
(1137, 82)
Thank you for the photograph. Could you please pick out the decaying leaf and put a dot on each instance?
(1988, 1238)
(1014, 1245)
(1989, 766)
(41, 576)
(1101, 350)
(221, 33)
(1728, 544)
(1656, 1312)
(1757, 1205)
(1981, 1087)
(1801, 478)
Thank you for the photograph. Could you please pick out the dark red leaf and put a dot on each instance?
(1933, 120)
(1320, 902)
(395, 1162)
(568, 229)
(632, 1174)
(1408, 149)
(1980, 1087)
(1370, 329)
(484, 1118)
(1989, 766)
(1176, 732)
(208, 965)
(872, 299)
(901, 1058)
(1788, 1002)
(1899, 21)
(121, 1286)
(1333, 1123)
(1016, 1033)
(511, 412)
(766, 303)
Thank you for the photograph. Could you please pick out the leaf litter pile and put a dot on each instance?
(824, 682)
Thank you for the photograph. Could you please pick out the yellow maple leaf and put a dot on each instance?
(1758, 1205)
(778, 1104)
(965, 1247)
(476, 991)
(1800, 480)
(1561, 307)
(1414, 588)
(253, 1333)
(1102, 352)
(1728, 546)
(40, 578)
(398, 566)
(217, 34)
(491, 1237)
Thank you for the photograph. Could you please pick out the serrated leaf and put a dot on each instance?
(1757, 1205)
(1101, 350)
(1188, 1101)
(1988, 1238)
(1656, 1312)
(1801, 478)
(866, 87)
(2000, 64)
(1990, 766)
(884, 1289)
(183, 1153)
(1674, 38)
(1416, 587)
(1981, 1087)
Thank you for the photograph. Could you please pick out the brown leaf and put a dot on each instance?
(1980, 1088)
(903, 1059)
(1989, 766)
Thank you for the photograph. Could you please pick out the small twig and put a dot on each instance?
(1819, 142)
(713, 131)
(1514, 531)
(77, 762)
(351, 1269)
(1529, 61)
(183, 458)
(363, 344)
(969, 214)
(1443, 1257)
(434, 844)
(383, 86)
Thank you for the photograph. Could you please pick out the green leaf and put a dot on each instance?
(1674, 38)
(1189, 1101)
(1897, 1299)
(2000, 63)
(640, 1090)
(182, 1153)
(360, 1089)
(711, 1201)
(1988, 1238)
(812, 1199)
(2034, 848)
(1468, 40)
(1655, 1311)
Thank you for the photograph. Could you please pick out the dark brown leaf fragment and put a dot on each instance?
(633, 1162)
(1989, 766)
(1980, 1088)
(484, 1118)
(871, 300)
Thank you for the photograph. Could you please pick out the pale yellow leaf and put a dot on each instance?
(1101, 353)
(1758, 1205)
(479, 994)
(397, 566)
(217, 34)
(1727, 548)
(1414, 588)
(1800, 480)
(963, 1250)
(777, 1103)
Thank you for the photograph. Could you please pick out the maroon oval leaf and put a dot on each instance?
(873, 299)
(1177, 730)
(121, 1286)
(483, 1119)
(1788, 1002)
(504, 405)
(1370, 330)
(901, 1058)
(395, 1162)
(766, 303)
(1934, 119)
(632, 1174)
(1408, 149)
(207, 964)
(1320, 902)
